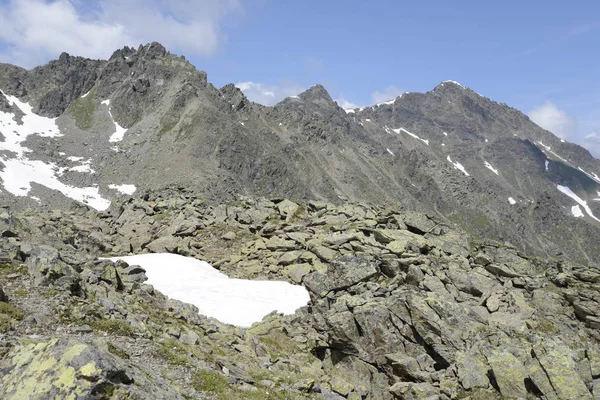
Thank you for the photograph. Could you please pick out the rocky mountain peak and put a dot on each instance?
(316, 93)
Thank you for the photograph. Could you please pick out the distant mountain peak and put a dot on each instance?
(316, 92)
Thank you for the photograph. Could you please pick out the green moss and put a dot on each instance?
(11, 311)
(6, 269)
(113, 326)
(49, 293)
(83, 110)
(21, 292)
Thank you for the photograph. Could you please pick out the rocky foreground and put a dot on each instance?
(401, 307)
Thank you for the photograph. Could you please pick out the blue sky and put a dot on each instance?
(538, 56)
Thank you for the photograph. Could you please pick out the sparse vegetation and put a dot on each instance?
(113, 326)
(82, 111)
(117, 351)
(8, 314)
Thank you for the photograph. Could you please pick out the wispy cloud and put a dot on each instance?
(34, 31)
(553, 119)
(389, 93)
(345, 104)
(269, 94)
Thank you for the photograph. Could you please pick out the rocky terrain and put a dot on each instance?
(403, 305)
(95, 131)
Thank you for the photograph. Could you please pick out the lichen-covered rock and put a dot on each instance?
(69, 369)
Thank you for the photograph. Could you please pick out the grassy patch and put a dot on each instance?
(6, 269)
(217, 384)
(82, 111)
(8, 314)
(113, 326)
(174, 352)
(21, 292)
(117, 351)
(278, 344)
(210, 381)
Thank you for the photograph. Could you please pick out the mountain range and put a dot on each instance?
(439, 245)
(95, 131)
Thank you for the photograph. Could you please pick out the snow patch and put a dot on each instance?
(549, 150)
(458, 166)
(489, 166)
(578, 199)
(19, 172)
(124, 189)
(590, 175)
(119, 130)
(512, 201)
(547, 164)
(445, 134)
(576, 211)
(85, 95)
(426, 141)
(389, 151)
(238, 302)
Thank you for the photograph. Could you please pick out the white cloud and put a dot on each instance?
(269, 94)
(345, 104)
(553, 119)
(389, 93)
(592, 143)
(34, 31)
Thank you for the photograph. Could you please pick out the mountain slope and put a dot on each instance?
(146, 119)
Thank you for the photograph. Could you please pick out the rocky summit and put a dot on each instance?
(448, 245)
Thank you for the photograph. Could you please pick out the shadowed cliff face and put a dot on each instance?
(451, 152)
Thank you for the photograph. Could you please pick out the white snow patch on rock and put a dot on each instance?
(512, 201)
(576, 211)
(426, 141)
(578, 199)
(590, 175)
(238, 302)
(458, 166)
(119, 130)
(19, 172)
(489, 166)
(389, 151)
(125, 189)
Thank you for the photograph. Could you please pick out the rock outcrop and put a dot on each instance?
(402, 306)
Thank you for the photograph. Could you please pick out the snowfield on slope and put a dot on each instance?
(119, 130)
(578, 199)
(457, 166)
(19, 171)
(238, 302)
